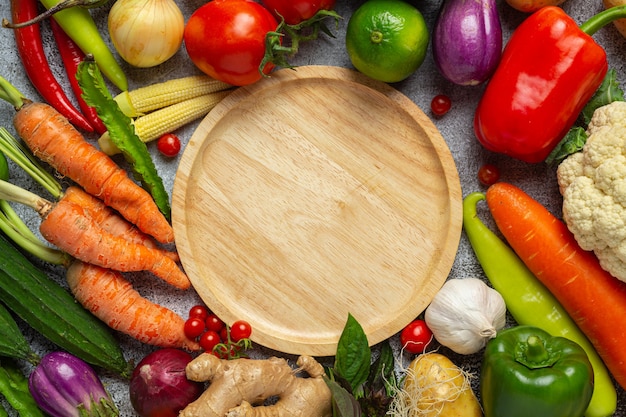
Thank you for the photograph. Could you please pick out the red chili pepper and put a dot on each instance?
(31, 51)
(549, 70)
(71, 55)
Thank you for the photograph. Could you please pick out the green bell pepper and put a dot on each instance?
(528, 372)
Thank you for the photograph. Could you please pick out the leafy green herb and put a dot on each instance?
(344, 403)
(608, 92)
(573, 142)
(122, 132)
(14, 387)
(353, 358)
(381, 384)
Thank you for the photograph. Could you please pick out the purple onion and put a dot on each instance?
(159, 386)
(65, 386)
(467, 40)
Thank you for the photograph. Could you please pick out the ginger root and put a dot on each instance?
(238, 388)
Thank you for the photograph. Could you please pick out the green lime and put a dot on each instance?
(387, 39)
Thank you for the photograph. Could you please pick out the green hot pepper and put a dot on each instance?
(78, 24)
(527, 372)
(530, 303)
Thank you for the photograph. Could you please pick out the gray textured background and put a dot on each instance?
(456, 127)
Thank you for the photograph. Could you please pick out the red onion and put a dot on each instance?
(159, 386)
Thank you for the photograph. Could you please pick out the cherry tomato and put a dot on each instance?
(416, 336)
(199, 311)
(213, 322)
(194, 327)
(296, 11)
(224, 333)
(488, 174)
(240, 330)
(208, 340)
(440, 105)
(226, 39)
(169, 145)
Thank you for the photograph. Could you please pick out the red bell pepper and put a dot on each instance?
(549, 70)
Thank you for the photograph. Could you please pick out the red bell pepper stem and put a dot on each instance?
(598, 21)
(71, 55)
(32, 54)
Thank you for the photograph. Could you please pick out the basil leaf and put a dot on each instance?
(353, 358)
(382, 374)
(344, 404)
(122, 132)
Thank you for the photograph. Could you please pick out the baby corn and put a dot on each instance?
(167, 119)
(146, 99)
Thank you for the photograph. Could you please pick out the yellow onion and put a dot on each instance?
(146, 33)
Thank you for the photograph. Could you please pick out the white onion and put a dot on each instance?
(146, 33)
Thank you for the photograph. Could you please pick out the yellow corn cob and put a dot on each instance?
(143, 100)
(165, 120)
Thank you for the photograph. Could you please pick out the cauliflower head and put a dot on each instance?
(593, 185)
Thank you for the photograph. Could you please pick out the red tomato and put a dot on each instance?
(208, 340)
(194, 327)
(240, 330)
(488, 174)
(199, 311)
(169, 145)
(440, 105)
(213, 322)
(415, 336)
(296, 11)
(226, 39)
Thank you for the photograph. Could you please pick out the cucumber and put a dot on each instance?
(13, 344)
(52, 311)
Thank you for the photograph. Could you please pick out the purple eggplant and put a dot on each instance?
(467, 40)
(65, 386)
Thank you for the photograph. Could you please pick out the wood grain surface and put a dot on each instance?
(312, 194)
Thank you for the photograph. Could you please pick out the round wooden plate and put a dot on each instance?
(312, 194)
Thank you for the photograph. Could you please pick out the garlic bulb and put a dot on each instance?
(146, 33)
(465, 313)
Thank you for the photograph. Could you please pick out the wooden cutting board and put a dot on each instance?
(312, 194)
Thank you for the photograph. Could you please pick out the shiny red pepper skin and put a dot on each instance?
(32, 54)
(549, 70)
(72, 55)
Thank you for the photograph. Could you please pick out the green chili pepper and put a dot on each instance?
(122, 132)
(527, 372)
(530, 302)
(14, 387)
(78, 24)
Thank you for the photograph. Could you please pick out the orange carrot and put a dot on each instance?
(594, 299)
(54, 140)
(68, 227)
(110, 221)
(111, 298)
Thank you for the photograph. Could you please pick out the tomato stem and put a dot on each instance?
(278, 54)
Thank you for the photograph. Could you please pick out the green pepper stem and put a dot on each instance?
(598, 21)
(536, 350)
